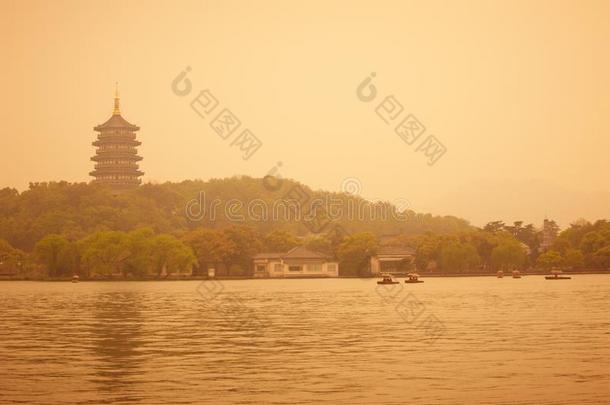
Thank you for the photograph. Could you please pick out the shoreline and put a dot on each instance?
(202, 278)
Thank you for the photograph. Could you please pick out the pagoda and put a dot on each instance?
(116, 154)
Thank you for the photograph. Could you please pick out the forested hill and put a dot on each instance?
(78, 209)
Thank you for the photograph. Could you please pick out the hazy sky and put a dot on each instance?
(517, 91)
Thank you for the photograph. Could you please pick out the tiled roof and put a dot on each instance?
(267, 256)
(395, 251)
(116, 121)
(299, 252)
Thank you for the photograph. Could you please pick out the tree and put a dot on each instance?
(427, 250)
(170, 255)
(355, 252)
(592, 242)
(458, 256)
(550, 259)
(105, 253)
(494, 227)
(69, 260)
(508, 254)
(279, 241)
(210, 246)
(328, 242)
(484, 242)
(6, 250)
(320, 243)
(529, 236)
(601, 258)
(138, 251)
(515, 229)
(48, 251)
(247, 243)
(11, 259)
(561, 245)
(573, 258)
(575, 232)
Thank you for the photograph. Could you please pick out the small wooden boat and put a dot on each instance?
(413, 278)
(516, 274)
(500, 274)
(557, 275)
(75, 278)
(387, 279)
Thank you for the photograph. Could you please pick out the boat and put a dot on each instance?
(500, 274)
(516, 274)
(387, 279)
(413, 278)
(75, 278)
(557, 275)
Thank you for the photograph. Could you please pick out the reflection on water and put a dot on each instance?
(505, 341)
(116, 336)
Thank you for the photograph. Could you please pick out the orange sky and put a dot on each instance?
(517, 91)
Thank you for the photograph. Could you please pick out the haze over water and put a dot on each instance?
(527, 341)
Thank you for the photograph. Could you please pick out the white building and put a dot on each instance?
(297, 262)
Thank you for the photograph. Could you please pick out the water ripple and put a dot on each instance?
(335, 341)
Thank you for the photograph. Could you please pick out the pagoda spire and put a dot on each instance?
(116, 110)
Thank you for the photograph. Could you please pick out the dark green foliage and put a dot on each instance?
(87, 229)
(76, 210)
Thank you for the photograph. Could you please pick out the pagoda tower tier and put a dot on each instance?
(116, 155)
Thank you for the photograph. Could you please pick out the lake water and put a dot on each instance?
(338, 341)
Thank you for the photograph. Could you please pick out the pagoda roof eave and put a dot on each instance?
(110, 171)
(130, 142)
(108, 156)
(116, 122)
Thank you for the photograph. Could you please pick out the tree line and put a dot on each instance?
(582, 244)
(76, 210)
(141, 253)
(61, 229)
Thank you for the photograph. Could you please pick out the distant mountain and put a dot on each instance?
(530, 201)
